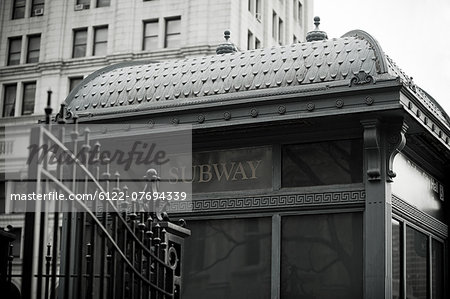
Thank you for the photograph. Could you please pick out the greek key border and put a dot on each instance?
(282, 201)
(416, 216)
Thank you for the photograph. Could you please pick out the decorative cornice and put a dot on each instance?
(416, 216)
(276, 201)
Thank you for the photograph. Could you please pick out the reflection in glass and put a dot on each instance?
(416, 264)
(322, 163)
(396, 259)
(322, 256)
(437, 259)
(228, 259)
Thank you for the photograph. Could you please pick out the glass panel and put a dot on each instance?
(34, 44)
(74, 82)
(15, 46)
(416, 264)
(19, 9)
(151, 28)
(100, 49)
(100, 44)
(150, 43)
(173, 41)
(322, 163)
(79, 43)
(36, 4)
(396, 259)
(228, 259)
(29, 91)
(101, 34)
(173, 26)
(437, 258)
(85, 2)
(80, 37)
(10, 100)
(321, 256)
(258, 6)
(151, 35)
(280, 31)
(257, 43)
(103, 3)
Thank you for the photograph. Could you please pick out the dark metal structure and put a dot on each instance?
(111, 249)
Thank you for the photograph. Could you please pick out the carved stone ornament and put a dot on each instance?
(372, 149)
(361, 78)
(282, 109)
(395, 143)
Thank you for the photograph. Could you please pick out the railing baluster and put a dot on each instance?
(89, 276)
(10, 260)
(48, 259)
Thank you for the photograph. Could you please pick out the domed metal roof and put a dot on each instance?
(140, 86)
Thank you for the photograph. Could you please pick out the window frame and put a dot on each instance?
(96, 43)
(72, 80)
(10, 42)
(29, 37)
(250, 40)
(15, 7)
(13, 104)
(166, 34)
(145, 36)
(404, 224)
(74, 45)
(35, 6)
(280, 31)
(99, 3)
(24, 90)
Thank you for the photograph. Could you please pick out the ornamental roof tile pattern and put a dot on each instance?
(139, 86)
(146, 85)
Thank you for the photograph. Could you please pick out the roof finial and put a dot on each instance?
(227, 47)
(316, 34)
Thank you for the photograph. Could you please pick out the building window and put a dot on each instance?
(74, 81)
(150, 35)
(257, 43)
(19, 9)
(15, 45)
(322, 256)
(103, 3)
(258, 9)
(173, 33)
(238, 249)
(9, 100)
(34, 45)
(85, 3)
(416, 255)
(280, 31)
(274, 24)
(250, 6)
(79, 42)
(29, 93)
(250, 40)
(37, 8)
(100, 40)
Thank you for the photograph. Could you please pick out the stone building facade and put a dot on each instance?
(55, 44)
